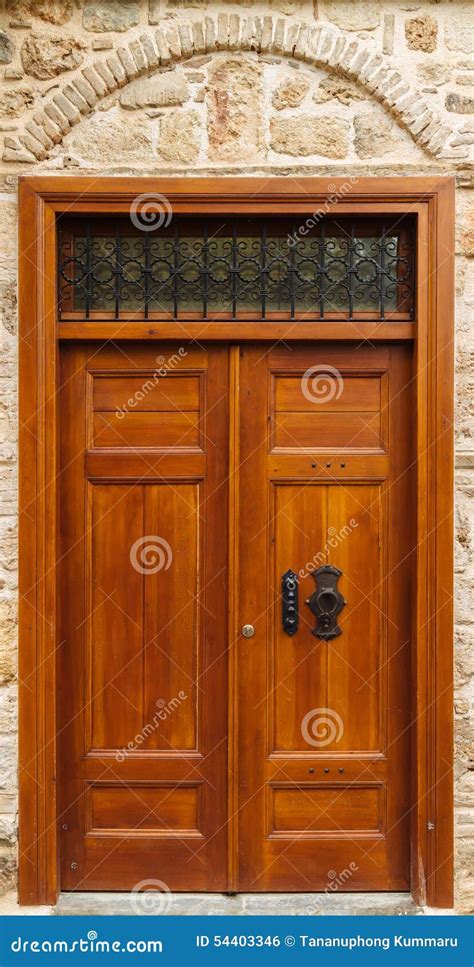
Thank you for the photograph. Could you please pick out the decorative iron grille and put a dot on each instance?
(237, 268)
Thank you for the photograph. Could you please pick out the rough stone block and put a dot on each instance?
(234, 101)
(56, 12)
(179, 137)
(222, 31)
(353, 16)
(186, 40)
(40, 134)
(138, 55)
(48, 126)
(459, 104)
(117, 69)
(302, 43)
(308, 135)
(84, 89)
(163, 48)
(162, 90)
(101, 16)
(17, 155)
(388, 33)
(278, 41)
(6, 48)
(336, 88)
(33, 145)
(57, 116)
(291, 93)
(70, 112)
(199, 41)
(174, 42)
(95, 81)
(421, 33)
(44, 57)
(103, 70)
(127, 62)
(150, 50)
(15, 102)
(373, 135)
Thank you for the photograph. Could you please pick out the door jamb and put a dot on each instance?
(40, 198)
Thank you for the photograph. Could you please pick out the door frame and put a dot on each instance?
(41, 198)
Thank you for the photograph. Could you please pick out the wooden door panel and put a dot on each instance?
(157, 431)
(113, 624)
(172, 655)
(324, 767)
(299, 679)
(138, 809)
(311, 810)
(360, 394)
(149, 393)
(312, 525)
(133, 604)
(327, 431)
(356, 660)
(143, 620)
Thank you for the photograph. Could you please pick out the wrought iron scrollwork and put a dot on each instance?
(326, 602)
(237, 267)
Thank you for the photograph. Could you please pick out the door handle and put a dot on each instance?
(289, 603)
(326, 602)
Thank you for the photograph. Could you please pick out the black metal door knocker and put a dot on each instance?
(326, 602)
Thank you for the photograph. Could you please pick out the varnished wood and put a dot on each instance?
(241, 332)
(433, 712)
(233, 635)
(142, 657)
(287, 840)
(37, 551)
(88, 193)
(431, 199)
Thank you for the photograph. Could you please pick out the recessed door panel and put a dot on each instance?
(299, 666)
(113, 623)
(356, 664)
(317, 524)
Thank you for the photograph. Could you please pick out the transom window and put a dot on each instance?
(237, 268)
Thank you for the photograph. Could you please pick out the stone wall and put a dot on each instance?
(282, 86)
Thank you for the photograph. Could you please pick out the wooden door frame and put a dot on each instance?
(432, 199)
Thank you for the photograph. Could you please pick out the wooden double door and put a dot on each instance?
(192, 481)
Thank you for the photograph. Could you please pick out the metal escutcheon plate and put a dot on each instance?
(248, 631)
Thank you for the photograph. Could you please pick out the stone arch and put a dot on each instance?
(314, 44)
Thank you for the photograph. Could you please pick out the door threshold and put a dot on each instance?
(240, 904)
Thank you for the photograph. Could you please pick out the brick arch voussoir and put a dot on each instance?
(316, 44)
